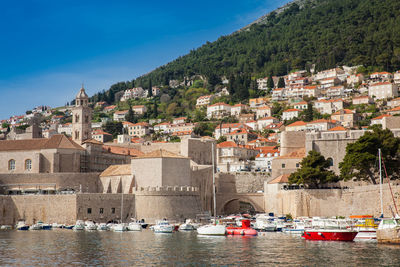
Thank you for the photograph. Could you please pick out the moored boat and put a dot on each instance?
(163, 227)
(134, 226)
(79, 226)
(102, 227)
(330, 234)
(90, 226)
(119, 227)
(366, 227)
(389, 231)
(330, 230)
(22, 226)
(245, 229)
(212, 229)
(187, 226)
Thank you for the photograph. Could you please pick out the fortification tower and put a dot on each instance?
(81, 118)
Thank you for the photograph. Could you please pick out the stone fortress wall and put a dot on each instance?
(332, 144)
(152, 203)
(171, 202)
(359, 200)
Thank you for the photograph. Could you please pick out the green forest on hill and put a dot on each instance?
(326, 33)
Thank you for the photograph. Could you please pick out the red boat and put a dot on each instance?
(244, 230)
(330, 234)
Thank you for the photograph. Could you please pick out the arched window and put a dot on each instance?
(11, 164)
(28, 164)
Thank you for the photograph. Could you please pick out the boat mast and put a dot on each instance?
(213, 177)
(380, 180)
(122, 202)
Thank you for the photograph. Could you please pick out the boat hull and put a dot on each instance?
(329, 235)
(211, 230)
(241, 231)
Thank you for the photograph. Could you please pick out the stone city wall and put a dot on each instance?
(331, 202)
(34, 208)
(105, 207)
(172, 203)
(332, 144)
(250, 182)
(66, 209)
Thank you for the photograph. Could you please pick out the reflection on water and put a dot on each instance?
(63, 247)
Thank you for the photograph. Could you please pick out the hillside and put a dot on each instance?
(322, 32)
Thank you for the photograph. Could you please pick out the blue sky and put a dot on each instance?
(49, 48)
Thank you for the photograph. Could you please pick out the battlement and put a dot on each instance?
(334, 136)
(165, 189)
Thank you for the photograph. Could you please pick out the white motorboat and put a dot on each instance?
(102, 227)
(134, 226)
(296, 229)
(187, 226)
(79, 226)
(265, 223)
(90, 226)
(163, 227)
(22, 226)
(120, 227)
(35, 226)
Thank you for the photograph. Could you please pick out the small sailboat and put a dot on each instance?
(120, 227)
(213, 229)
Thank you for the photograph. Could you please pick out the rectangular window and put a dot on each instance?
(101, 211)
(89, 210)
(112, 210)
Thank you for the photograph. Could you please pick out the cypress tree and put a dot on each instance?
(150, 94)
(281, 83)
(270, 82)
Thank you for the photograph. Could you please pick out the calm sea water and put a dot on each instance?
(68, 248)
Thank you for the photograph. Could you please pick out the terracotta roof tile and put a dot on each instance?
(54, 142)
(117, 170)
(282, 179)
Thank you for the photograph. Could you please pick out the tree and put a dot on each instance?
(313, 171)
(114, 128)
(281, 83)
(130, 116)
(309, 113)
(361, 160)
(270, 82)
(221, 139)
(150, 89)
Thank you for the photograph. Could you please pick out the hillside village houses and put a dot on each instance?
(383, 90)
(290, 114)
(204, 100)
(346, 117)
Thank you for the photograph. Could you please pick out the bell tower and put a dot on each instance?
(81, 118)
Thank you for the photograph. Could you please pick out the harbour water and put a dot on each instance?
(69, 248)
